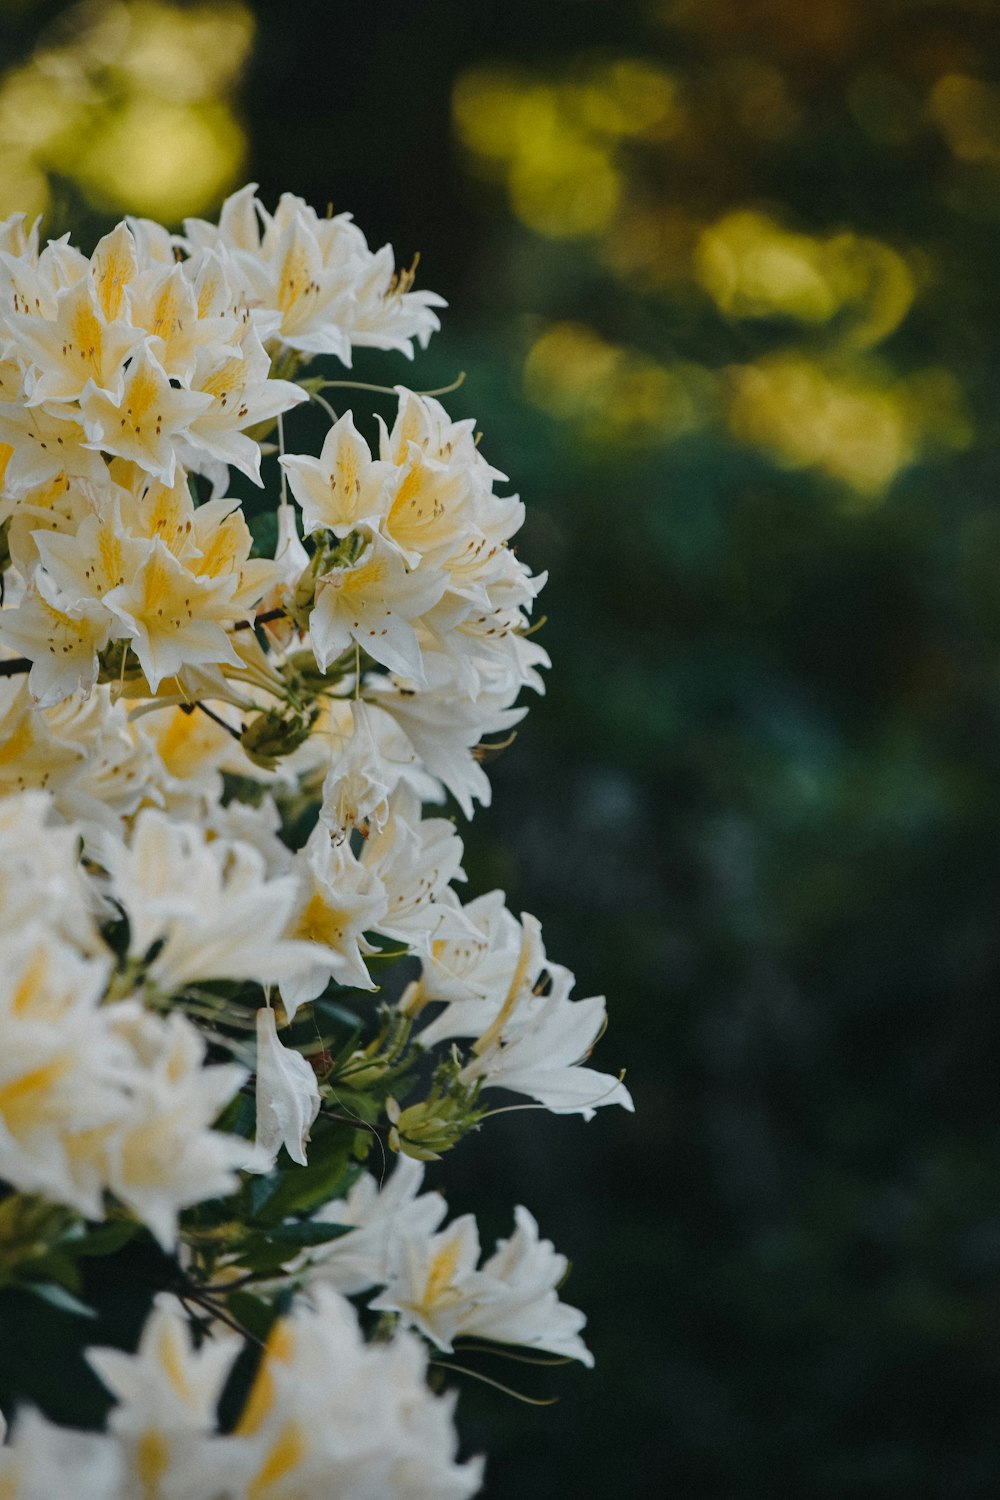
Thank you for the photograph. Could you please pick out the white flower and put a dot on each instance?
(313, 282)
(95, 1096)
(163, 1155)
(32, 754)
(119, 769)
(79, 344)
(358, 784)
(40, 1461)
(337, 900)
(332, 1415)
(484, 972)
(522, 1306)
(373, 602)
(259, 826)
(243, 395)
(48, 443)
(61, 637)
(40, 875)
(379, 1218)
(209, 903)
(88, 560)
(167, 1385)
(168, 1393)
(424, 421)
(172, 618)
(144, 418)
(435, 1285)
(443, 724)
(63, 1072)
(432, 1281)
(538, 1048)
(287, 1097)
(114, 265)
(415, 858)
(139, 872)
(328, 1414)
(344, 488)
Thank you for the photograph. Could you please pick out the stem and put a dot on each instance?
(269, 682)
(390, 390)
(281, 454)
(192, 1294)
(440, 1364)
(264, 619)
(217, 718)
(315, 396)
(520, 1359)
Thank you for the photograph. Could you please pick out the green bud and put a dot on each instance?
(305, 680)
(29, 1228)
(425, 1131)
(118, 663)
(299, 604)
(272, 735)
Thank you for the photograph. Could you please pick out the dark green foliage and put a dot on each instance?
(760, 804)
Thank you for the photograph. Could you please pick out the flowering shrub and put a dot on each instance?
(235, 960)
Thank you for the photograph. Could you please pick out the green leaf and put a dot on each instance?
(307, 1232)
(57, 1296)
(264, 530)
(238, 1117)
(56, 1266)
(104, 1239)
(300, 1189)
(267, 1250)
(252, 1313)
(331, 1009)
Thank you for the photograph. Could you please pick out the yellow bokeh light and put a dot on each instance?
(858, 427)
(24, 187)
(968, 112)
(615, 394)
(564, 186)
(560, 177)
(628, 97)
(753, 268)
(32, 112)
(128, 99)
(620, 150)
(161, 159)
(487, 105)
(555, 144)
(809, 419)
(186, 55)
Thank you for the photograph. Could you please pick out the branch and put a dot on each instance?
(264, 619)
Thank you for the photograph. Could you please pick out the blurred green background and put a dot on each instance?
(724, 280)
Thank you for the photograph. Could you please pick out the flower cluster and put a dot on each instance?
(215, 857)
(328, 1414)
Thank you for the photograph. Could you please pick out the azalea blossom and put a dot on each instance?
(314, 283)
(237, 971)
(287, 1096)
(336, 900)
(204, 909)
(539, 1047)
